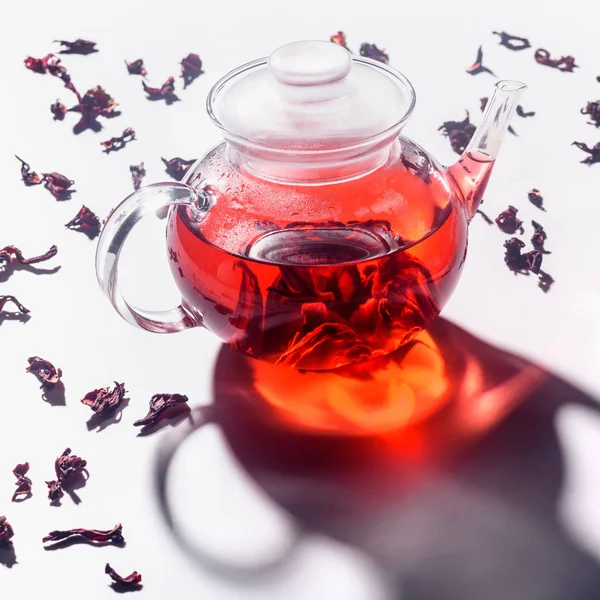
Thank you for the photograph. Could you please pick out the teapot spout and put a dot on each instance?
(474, 167)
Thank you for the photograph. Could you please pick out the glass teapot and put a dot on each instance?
(314, 235)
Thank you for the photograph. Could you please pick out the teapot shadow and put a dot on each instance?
(460, 503)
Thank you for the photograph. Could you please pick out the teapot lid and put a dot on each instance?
(311, 96)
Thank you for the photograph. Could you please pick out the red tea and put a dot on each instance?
(319, 276)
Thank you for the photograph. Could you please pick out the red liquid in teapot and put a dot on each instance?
(320, 276)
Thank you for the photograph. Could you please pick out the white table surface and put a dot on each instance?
(454, 538)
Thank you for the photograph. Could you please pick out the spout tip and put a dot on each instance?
(509, 85)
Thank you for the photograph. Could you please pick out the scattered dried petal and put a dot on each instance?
(59, 110)
(165, 92)
(55, 491)
(459, 133)
(93, 536)
(11, 254)
(512, 42)
(105, 401)
(178, 167)
(6, 532)
(20, 307)
(23, 482)
(593, 111)
(373, 52)
(138, 172)
(535, 197)
(133, 581)
(477, 67)
(77, 47)
(58, 185)
(51, 64)
(539, 236)
(29, 177)
(521, 263)
(159, 404)
(44, 370)
(136, 67)
(339, 38)
(594, 153)
(564, 63)
(116, 143)
(508, 222)
(68, 465)
(96, 103)
(191, 68)
(86, 222)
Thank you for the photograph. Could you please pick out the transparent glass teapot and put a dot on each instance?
(314, 235)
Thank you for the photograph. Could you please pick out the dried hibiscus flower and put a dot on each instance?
(339, 38)
(136, 67)
(29, 177)
(50, 64)
(521, 263)
(23, 483)
(58, 185)
(508, 222)
(545, 281)
(96, 103)
(6, 532)
(178, 167)
(477, 67)
(512, 42)
(564, 63)
(191, 68)
(11, 254)
(373, 52)
(93, 536)
(165, 92)
(44, 370)
(116, 143)
(539, 237)
(131, 582)
(593, 111)
(594, 152)
(20, 307)
(535, 197)
(105, 401)
(459, 133)
(68, 465)
(138, 172)
(159, 405)
(77, 47)
(55, 491)
(59, 110)
(86, 222)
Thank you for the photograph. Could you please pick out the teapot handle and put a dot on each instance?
(145, 201)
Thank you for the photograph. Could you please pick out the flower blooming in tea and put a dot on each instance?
(77, 47)
(477, 67)
(165, 92)
(86, 222)
(132, 581)
(191, 68)
(44, 370)
(535, 197)
(5, 299)
(23, 483)
(58, 185)
(93, 536)
(6, 532)
(105, 401)
(508, 222)
(593, 111)
(178, 167)
(11, 254)
(339, 38)
(116, 143)
(594, 152)
(59, 110)
(138, 172)
(136, 67)
(564, 63)
(459, 133)
(29, 177)
(159, 405)
(373, 52)
(96, 103)
(512, 42)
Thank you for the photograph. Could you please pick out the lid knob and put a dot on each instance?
(310, 63)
